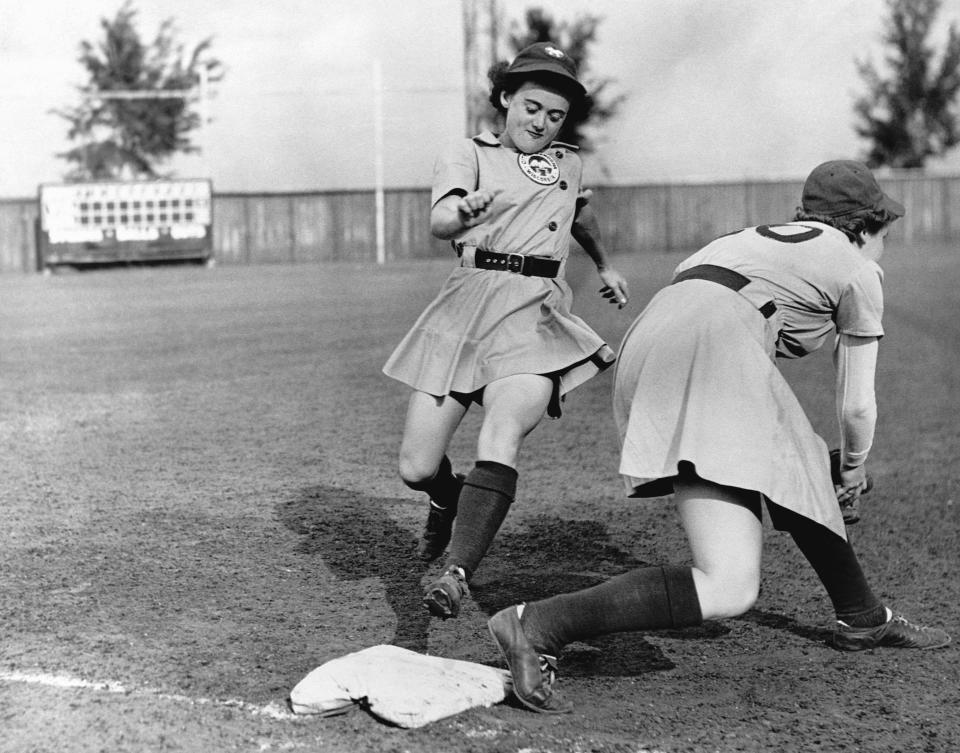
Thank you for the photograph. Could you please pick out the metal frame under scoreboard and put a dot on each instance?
(131, 221)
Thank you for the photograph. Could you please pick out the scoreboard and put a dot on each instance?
(131, 221)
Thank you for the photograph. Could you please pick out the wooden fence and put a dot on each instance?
(341, 225)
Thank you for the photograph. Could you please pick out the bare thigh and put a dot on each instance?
(430, 424)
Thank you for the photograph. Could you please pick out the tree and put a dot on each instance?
(908, 115)
(153, 106)
(575, 38)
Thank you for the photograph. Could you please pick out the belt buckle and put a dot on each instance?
(515, 263)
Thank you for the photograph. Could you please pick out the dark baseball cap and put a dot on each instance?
(547, 58)
(841, 187)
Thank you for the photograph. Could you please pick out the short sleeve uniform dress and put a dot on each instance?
(696, 379)
(487, 324)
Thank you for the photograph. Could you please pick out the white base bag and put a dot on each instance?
(399, 686)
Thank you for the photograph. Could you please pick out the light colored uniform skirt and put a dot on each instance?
(695, 381)
(486, 324)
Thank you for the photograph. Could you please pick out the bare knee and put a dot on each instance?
(726, 595)
(415, 469)
(500, 439)
(502, 450)
(740, 600)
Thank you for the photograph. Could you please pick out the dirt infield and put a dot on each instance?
(200, 506)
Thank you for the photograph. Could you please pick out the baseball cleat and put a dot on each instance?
(896, 632)
(533, 674)
(436, 533)
(442, 597)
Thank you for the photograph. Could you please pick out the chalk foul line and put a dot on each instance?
(272, 710)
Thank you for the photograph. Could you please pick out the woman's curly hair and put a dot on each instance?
(851, 225)
(502, 83)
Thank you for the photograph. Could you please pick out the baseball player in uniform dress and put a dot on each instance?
(500, 332)
(703, 413)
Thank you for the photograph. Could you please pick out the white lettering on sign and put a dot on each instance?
(183, 232)
(137, 234)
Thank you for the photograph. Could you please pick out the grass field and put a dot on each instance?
(200, 506)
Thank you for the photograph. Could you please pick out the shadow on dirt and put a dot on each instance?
(356, 537)
(787, 625)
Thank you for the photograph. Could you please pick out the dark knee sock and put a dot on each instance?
(838, 568)
(443, 489)
(649, 598)
(487, 494)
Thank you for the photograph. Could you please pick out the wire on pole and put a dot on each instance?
(140, 93)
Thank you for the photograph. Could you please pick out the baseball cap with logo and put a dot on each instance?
(842, 187)
(547, 58)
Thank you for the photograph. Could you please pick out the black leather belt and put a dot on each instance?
(723, 276)
(529, 266)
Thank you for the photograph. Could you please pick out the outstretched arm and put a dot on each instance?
(586, 232)
(855, 359)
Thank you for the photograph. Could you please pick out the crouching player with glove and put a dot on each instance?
(704, 413)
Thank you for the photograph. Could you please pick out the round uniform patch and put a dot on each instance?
(540, 168)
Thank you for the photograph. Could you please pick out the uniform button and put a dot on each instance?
(559, 155)
(563, 185)
(552, 226)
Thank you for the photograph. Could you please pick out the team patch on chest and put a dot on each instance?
(540, 168)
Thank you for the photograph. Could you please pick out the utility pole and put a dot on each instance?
(481, 47)
(469, 60)
(378, 160)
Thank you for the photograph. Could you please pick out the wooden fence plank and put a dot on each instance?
(341, 226)
(18, 242)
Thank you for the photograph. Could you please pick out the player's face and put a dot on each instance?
(873, 245)
(534, 117)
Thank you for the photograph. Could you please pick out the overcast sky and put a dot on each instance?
(716, 89)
